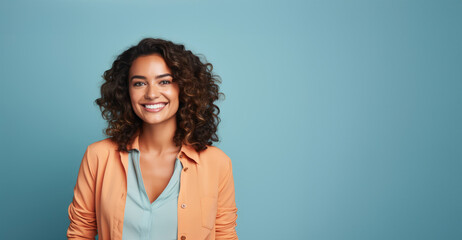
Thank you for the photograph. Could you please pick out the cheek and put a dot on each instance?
(176, 93)
(174, 99)
(172, 95)
(134, 99)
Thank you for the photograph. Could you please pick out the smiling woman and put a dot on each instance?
(144, 180)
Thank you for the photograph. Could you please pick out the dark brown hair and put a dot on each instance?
(197, 116)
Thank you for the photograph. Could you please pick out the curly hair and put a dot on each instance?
(197, 117)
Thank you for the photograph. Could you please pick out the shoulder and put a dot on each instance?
(214, 156)
(105, 144)
(101, 148)
(99, 153)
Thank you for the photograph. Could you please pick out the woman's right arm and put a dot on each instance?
(82, 209)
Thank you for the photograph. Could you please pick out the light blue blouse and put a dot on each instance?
(146, 220)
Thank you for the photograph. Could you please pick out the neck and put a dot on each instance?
(158, 138)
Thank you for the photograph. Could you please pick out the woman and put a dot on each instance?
(157, 175)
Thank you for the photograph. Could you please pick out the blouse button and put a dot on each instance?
(185, 169)
(183, 205)
(181, 155)
(183, 237)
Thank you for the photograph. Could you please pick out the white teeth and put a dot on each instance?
(159, 105)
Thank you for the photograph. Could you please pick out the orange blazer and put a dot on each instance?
(206, 203)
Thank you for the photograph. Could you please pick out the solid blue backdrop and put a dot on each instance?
(343, 118)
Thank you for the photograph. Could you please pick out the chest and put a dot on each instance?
(156, 172)
(197, 184)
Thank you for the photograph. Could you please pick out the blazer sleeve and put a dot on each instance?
(82, 209)
(225, 223)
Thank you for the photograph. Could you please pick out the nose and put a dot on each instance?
(151, 92)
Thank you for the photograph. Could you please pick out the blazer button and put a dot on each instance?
(183, 205)
(183, 237)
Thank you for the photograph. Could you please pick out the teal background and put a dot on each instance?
(343, 118)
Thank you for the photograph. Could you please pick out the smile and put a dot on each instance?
(154, 108)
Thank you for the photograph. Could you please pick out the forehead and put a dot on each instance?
(148, 65)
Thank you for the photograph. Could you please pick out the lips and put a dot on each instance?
(155, 107)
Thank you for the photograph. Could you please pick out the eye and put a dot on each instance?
(137, 84)
(163, 82)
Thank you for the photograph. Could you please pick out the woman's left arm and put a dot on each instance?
(225, 222)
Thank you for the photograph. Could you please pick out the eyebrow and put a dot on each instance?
(157, 77)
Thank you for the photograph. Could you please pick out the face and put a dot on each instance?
(153, 94)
